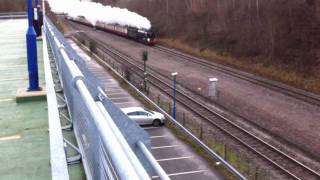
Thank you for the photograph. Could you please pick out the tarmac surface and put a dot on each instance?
(177, 158)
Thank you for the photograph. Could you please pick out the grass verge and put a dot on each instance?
(275, 72)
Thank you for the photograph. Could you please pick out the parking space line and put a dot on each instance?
(163, 147)
(177, 158)
(146, 128)
(117, 93)
(106, 82)
(111, 91)
(114, 88)
(126, 97)
(153, 137)
(111, 86)
(118, 103)
(182, 173)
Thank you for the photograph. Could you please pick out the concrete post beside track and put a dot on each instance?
(212, 90)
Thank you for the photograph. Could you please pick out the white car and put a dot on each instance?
(143, 117)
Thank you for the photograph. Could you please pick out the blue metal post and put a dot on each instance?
(32, 52)
(174, 95)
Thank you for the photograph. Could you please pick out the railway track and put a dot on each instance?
(279, 87)
(286, 165)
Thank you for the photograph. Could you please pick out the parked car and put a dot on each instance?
(144, 117)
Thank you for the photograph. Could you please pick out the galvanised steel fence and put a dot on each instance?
(111, 145)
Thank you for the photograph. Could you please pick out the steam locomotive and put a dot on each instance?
(140, 35)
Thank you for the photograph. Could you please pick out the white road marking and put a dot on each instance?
(114, 88)
(119, 93)
(111, 91)
(177, 158)
(182, 173)
(163, 147)
(153, 137)
(119, 98)
(123, 102)
(146, 128)
(110, 84)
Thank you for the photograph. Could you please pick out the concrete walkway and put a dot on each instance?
(24, 140)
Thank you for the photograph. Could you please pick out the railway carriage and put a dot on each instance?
(140, 35)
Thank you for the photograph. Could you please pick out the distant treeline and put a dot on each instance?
(285, 32)
(13, 5)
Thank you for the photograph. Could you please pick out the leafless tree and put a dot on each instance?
(275, 31)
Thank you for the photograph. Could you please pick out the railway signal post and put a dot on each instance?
(174, 94)
(144, 59)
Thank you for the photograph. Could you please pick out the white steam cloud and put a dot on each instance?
(96, 12)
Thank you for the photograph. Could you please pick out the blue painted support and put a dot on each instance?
(32, 52)
(174, 95)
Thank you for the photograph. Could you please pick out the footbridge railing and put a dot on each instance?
(111, 146)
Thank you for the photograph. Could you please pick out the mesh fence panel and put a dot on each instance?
(96, 160)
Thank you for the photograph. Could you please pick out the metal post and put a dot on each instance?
(37, 17)
(32, 52)
(213, 92)
(144, 59)
(145, 75)
(174, 94)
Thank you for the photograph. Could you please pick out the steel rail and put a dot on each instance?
(309, 97)
(120, 56)
(193, 137)
(122, 163)
(58, 158)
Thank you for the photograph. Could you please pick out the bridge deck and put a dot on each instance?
(24, 140)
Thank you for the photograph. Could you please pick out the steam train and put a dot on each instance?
(140, 35)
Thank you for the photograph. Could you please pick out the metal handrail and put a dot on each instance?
(58, 159)
(120, 159)
(156, 166)
(234, 171)
(132, 158)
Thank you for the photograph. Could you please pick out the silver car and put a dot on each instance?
(143, 117)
